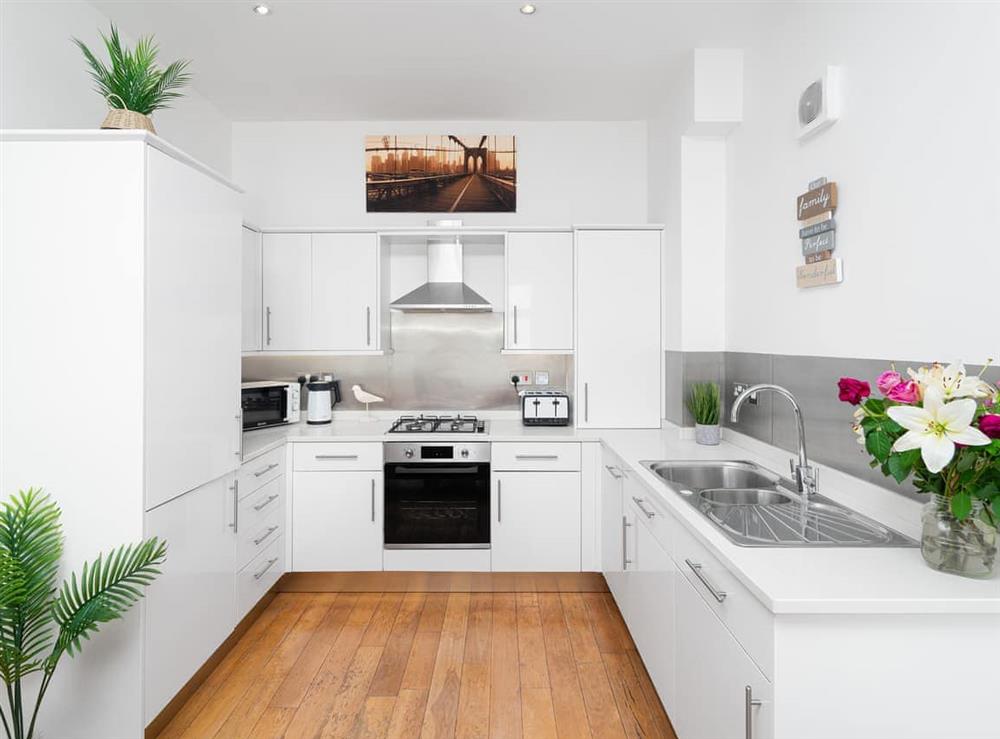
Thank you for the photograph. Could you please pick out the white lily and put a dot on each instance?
(935, 428)
(952, 381)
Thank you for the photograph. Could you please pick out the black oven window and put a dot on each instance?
(434, 504)
(263, 406)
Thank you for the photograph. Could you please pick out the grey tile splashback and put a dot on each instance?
(437, 361)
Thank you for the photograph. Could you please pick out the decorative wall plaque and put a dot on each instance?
(826, 241)
(814, 202)
(826, 272)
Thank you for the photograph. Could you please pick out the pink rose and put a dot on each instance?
(904, 392)
(887, 381)
(853, 391)
(990, 425)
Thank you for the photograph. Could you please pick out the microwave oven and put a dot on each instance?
(270, 404)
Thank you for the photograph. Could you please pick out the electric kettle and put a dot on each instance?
(322, 393)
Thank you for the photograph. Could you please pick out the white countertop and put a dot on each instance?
(797, 580)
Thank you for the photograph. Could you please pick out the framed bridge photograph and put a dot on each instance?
(441, 174)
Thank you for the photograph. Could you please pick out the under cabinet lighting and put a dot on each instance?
(262, 9)
(528, 9)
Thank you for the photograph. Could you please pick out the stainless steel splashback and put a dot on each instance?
(437, 361)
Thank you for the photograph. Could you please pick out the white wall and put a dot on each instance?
(44, 82)
(916, 156)
(313, 173)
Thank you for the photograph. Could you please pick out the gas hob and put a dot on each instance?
(424, 424)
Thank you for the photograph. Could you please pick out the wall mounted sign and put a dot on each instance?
(826, 241)
(817, 182)
(815, 220)
(819, 256)
(441, 173)
(814, 202)
(826, 272)
(817, 228)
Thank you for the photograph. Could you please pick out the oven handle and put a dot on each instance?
(435, 469)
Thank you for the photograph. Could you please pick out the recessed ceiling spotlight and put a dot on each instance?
(528, 9)
(262, 9)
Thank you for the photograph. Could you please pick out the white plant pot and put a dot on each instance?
(707, 435)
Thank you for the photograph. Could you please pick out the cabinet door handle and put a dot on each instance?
(239, 430)
(610, 468)
(641, 507)
(368, 325)
(586, 402)
(267, 313)
(337, 456)
(267, 469)
(536, 456)
(373, 500)
(269, 565)
(499, 502)
(719, 595)
(515, 325)
(235, 525)
(749, 703)
(625, 560)
(261, 506)
(259, 539)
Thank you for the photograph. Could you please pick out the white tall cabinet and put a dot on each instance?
(618, 344)
(119, 322)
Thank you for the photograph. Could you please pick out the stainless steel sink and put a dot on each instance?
(755, 507)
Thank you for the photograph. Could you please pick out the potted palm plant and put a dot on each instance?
(40, 622)
(134, 86)
(703, 402)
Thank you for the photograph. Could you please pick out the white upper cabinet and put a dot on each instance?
(618, 354)
(539, 312)
(344, 292)
(251, 290)
(192, 328)
(287, 264)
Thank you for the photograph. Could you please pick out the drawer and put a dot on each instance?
(536, 456)
(745, 616)
(254, 580)
(261, 470)
(261, 519)
(311, 457)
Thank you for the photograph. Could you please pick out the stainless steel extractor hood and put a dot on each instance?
(444, 289)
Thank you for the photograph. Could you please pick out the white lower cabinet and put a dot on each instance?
(536, 522)
(254, 580)
(337, 521)
(717, 682)
(190, 608)
(612, 526)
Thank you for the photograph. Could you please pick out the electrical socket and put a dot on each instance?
(739, 387)
(523, 377)
(541, 377)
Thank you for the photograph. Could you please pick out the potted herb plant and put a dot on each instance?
(941, 428)
(40, 623)
(134, 86)
(703, 402)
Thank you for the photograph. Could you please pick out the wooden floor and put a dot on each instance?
(405, 664)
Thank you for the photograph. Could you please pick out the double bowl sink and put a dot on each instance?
(755, 507)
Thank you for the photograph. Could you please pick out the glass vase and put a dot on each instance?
(967, 547)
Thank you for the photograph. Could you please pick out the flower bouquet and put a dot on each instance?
(941, 428)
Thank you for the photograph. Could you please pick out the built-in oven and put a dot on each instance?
(269, 404)
(437, 495)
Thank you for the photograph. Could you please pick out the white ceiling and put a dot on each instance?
(427, 59)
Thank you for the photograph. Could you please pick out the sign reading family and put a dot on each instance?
(441, 173)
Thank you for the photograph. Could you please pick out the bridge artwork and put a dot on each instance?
(441, 174)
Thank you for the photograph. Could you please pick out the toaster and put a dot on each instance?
(545, 408)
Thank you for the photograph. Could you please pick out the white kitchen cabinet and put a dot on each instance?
(190, 609)
(287, 291)
(618, 345)
(337, 521)
(344, 277)
(536, 522)
(539, 312)
(612, 526)
(715, 677)
(252, 317)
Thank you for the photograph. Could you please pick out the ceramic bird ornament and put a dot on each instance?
(363, 396)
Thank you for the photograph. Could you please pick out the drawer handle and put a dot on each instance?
(719, 595)
(267, 469)
(270, 531)
(641, 507)
(536, 456)
(266, 503)
(269, 565)
(337, 456)
(611, 469)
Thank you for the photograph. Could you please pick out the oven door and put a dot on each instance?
(439, 505)
(265, 406)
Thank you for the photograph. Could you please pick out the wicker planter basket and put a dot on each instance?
(125, 118)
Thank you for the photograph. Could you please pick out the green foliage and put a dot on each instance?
(40, 622)
(703, 402)
(134, 81)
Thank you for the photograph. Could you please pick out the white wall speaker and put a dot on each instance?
(819, 103)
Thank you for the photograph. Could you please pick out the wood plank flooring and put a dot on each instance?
(429, 665)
